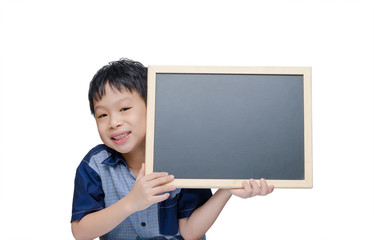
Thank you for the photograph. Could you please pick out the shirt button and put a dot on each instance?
(143, 224)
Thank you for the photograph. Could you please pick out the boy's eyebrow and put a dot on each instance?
(115, 103)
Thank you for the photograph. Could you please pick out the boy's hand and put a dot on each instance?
(146, 189)
(251, 189)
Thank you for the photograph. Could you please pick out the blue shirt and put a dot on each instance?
(103, 178)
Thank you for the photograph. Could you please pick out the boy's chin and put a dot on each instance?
(120, 149)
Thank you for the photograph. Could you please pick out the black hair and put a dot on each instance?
(124, 74)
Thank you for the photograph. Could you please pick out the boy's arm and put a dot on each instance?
(98, 223)
(144, 193)
(203, 217)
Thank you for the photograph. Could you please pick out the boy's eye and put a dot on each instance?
(101, 115)
(124, 109)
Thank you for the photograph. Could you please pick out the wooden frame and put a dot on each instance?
(307, 182)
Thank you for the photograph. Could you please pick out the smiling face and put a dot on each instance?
(121, 120)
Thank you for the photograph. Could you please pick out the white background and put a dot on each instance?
(51, 49)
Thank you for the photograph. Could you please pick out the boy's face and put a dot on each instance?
(121, 120)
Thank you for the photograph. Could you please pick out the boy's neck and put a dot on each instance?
(135, 159)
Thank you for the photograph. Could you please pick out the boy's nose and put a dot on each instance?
(115, 123)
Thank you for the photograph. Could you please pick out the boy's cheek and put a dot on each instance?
(101, 133)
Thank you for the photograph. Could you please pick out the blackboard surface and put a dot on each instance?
(251, 120)
(229, 126)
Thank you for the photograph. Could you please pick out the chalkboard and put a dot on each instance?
(212, 127)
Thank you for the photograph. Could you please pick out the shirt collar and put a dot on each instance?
(114, 159)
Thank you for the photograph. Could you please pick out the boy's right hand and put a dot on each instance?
(146, 189)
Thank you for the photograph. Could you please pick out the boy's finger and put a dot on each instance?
(161, 180)
(160, 198)
(154, 175)
(246, 186)
(271, 188)
(141, 172)
(163, 189)
(255, 187)
(248, 189)
(264, 187)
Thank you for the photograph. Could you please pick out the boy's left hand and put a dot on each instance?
(251, 189)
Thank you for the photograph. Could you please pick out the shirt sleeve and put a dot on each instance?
(190, 199)
(180, 206)
(88, 192)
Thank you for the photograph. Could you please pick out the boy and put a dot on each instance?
(113, 198)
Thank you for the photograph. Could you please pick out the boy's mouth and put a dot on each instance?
(120, 137)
